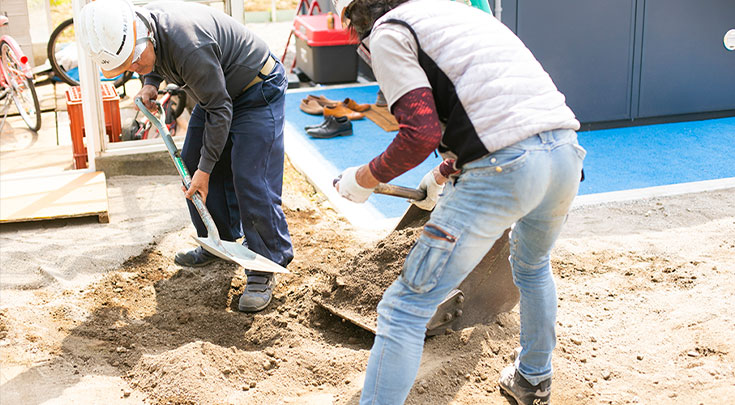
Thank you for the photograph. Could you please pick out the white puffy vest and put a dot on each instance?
(505, 94)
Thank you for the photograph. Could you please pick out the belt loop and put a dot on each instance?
(546, 136)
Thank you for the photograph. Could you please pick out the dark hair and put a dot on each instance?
(364, 13)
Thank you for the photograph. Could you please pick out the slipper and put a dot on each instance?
(323, 101)
(341, 111)
(352, 105)
(311, 107)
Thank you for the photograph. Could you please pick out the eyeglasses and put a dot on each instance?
(140, 46)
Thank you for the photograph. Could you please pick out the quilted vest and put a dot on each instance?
(490, 91)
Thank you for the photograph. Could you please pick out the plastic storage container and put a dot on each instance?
(326, 55)
(113, 128)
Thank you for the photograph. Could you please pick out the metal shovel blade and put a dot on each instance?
(230, 251)
(486, 291)
(239, 254)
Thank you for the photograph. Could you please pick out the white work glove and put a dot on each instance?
(432, 189)
(348, 188)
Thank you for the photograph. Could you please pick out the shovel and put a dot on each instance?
(414, 216)
(487, 291)
(231, 251)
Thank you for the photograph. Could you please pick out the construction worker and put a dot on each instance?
(514, 161)
(234, 140)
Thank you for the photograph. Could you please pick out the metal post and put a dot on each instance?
(89, 79)
(237, 10)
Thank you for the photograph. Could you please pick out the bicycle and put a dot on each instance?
(16, 82)
(173, 103)
(63, 55)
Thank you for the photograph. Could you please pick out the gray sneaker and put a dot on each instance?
(195, 258)
(513, 383)
(258, 292)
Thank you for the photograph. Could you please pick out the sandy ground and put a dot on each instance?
(645, 311)
(99, 314)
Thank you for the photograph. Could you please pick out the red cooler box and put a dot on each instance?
(325, 55)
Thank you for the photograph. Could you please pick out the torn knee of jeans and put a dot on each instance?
(434, 232)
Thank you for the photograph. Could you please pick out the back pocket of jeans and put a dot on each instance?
(426, 262)
(581, 152)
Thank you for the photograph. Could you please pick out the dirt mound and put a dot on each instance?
(360, 283)
(187, 374)
(645, 304)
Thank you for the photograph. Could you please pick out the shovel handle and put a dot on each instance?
(393, 190)
(180, 167)
(400, 191)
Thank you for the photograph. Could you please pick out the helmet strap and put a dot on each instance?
(147, 24)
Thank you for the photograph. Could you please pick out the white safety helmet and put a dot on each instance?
(107, 33)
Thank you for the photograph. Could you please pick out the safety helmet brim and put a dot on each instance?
(112, 73)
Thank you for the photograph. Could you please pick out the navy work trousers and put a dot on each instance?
(245, 185)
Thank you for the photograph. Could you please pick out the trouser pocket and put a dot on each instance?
(426, 262)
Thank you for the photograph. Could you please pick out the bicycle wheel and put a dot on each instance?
(22, 88)
(63, 56)
(175, 107)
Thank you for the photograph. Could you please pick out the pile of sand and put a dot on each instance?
(199, 373)
(360, 283)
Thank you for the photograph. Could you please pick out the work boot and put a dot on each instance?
(258, 292)
(332, 127)
(195, 258)
(513, 383)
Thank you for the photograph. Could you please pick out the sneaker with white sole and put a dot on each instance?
(515, 385)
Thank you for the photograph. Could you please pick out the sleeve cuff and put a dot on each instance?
(153, 81)
(205, 165)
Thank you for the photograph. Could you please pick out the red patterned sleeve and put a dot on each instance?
(418, 135)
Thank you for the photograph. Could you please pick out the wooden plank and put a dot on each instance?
(68, 195)
(382, 117)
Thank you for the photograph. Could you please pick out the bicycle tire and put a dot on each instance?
(56, 36)
(179, 104)
(21, 87)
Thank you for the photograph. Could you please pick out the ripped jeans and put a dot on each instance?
(530, 184)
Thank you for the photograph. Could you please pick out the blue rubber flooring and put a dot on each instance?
(617, 159)
(658, 155)
(367, 141)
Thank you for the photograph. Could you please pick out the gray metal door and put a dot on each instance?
(685, 65)
(587, 48)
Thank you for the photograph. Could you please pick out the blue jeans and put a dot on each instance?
(245, 184)
(530, 184)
